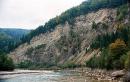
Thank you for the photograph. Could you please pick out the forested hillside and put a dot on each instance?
(14, 33)
(10, 37)
(69, 15)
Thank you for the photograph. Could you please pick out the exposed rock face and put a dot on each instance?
(67, 43)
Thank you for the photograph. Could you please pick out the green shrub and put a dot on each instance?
(94, 25)
(122, 12)
(25, 64)
(122, 60)
(40, 46)
(6, 63)
(69, 65)
(29, 51)
(99, 25)
(127, 62)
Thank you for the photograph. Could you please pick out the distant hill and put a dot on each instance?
(10, 36)
(13, 33)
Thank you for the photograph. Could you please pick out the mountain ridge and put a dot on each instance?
(10, 31)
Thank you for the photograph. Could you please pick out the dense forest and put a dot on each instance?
(9, 39)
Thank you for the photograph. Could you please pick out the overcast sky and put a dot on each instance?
(29, 14)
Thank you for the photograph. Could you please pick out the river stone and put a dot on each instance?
(117, 74)
(127, 77)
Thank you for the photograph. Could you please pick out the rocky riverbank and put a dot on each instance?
(102, 75)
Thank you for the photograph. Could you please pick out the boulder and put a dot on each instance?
(117, 74)
(127, 77)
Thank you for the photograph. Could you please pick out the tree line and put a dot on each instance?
(69, 15)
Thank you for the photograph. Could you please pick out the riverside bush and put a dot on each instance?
(6, 63)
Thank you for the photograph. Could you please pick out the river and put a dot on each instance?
(47, 76)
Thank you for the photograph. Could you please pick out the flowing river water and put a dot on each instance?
(47, 76)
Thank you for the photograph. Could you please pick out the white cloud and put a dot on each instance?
(30, 14)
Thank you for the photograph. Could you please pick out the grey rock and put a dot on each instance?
(117, 74)
(127, 77)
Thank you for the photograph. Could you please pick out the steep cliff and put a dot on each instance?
(67, 43)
